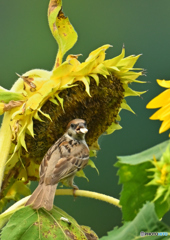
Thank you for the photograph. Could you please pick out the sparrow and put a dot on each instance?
(61, 162)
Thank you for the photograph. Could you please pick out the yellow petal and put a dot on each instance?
(124, 105)
(160, 100)
(61, 101)
(130, 92)
(63, 70)
(114, 61)
(33, 102)
(128, 62)
(22, 141)
(165, 125)
(161, 113)
(85, 80)
(30, 127)
(66, 82)
(84, 68)
(45, 114)
(96, 78)
(163, 83)
(94, 54)
(131, 75)
(2, 108)
(101, 69)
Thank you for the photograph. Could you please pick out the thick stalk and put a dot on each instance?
(5, 143)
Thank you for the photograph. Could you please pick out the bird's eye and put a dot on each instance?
(85, 124)
(73, 125)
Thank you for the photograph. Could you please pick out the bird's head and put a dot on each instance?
(77, 129)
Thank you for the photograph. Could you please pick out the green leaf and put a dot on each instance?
(145, 221)
(135, 192)
(31, 224)
(61, 29)
(124, 105)
(146, 155)
(113, 127)
(91, 164)
(6, 96)
(81, 173)
(134, 176)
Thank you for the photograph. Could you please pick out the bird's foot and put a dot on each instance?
(74, 191)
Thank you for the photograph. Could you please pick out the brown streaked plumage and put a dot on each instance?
(61, 162)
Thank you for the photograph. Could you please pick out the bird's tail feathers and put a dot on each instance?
(43, 196)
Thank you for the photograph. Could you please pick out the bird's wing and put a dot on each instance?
(53, 151)
(67, 166)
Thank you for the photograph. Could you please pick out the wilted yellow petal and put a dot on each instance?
(85, 80)
(124, 105)
(60, 101)
(130, 92)
(128, 62)
(131, 75)
(30, 128)
(101, 69)
(113, 127)
(66, 82)
(45, 114)
(63, 70)
(33, 102)
(84, 69)
(96, 78)
(36, 116)
(2, 108)
(114, 61)
(22, 141)
(95, 54)
(113, 69)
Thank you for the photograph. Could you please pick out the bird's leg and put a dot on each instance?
(74, 190)
(71, 184)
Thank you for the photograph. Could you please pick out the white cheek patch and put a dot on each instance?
(83, 130)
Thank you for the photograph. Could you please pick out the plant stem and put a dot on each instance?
(82, 193)
(4, 217)
(5, 143)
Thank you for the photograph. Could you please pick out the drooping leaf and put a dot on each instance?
(146, 221)
(30, 224)
(81, 174)
(113, 127)
(61, 29)
(91, 164)
(6, 96)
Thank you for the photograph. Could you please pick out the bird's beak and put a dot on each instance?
(83, 130)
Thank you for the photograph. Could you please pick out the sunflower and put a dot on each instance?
(162, 101)
(41, 103)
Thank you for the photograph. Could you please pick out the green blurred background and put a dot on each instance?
(143, 26)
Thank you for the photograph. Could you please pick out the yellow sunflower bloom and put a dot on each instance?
(41, 103)
(162, 101)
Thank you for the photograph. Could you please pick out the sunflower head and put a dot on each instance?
(41, 103)
(162, 101)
